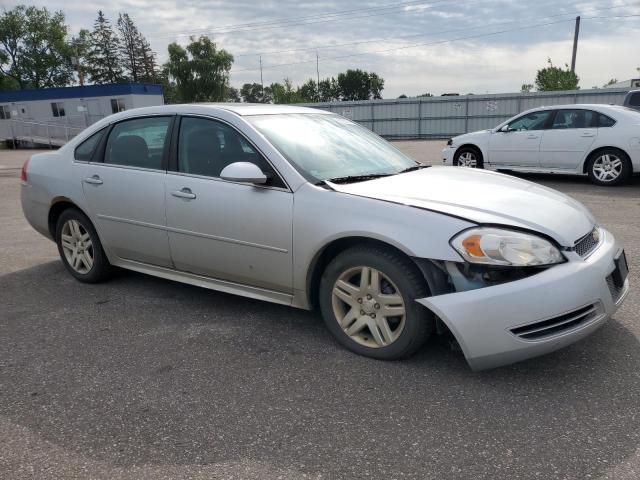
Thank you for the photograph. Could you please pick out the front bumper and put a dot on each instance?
(482, 320)
(447, 155)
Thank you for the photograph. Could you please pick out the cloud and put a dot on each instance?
(496, 63)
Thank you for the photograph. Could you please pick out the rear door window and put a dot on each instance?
(139, 142)
(578, 118)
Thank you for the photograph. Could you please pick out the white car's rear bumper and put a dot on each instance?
(514, 321)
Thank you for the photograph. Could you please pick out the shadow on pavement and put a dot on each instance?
(142, 371)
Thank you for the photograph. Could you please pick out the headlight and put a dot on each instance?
(494, 246)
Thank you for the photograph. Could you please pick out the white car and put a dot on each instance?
(602, 141)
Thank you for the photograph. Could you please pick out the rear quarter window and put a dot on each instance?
(85, 150)
(605, 121)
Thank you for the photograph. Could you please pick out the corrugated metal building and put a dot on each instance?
(441, 117)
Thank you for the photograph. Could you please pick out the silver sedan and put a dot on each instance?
(306, 208)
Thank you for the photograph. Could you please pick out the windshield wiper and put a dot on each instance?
(358, 178)
(415, 167)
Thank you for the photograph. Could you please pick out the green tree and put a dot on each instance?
(200, 72)
(103, 59)
(79, 49)
(425, 95)
(308, 92)
(284, 93)
(233, 95)
(555, 78)
(360, 85)
(253, 93)
(526, 88)
(403, 96)
(33, 49)
(137, 57)
(329, 90)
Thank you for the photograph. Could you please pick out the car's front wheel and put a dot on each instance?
(609, 167)
(468, 157)
(367, 298)
(80, 248)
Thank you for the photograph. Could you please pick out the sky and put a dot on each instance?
(434, 46)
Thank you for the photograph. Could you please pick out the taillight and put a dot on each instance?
(23, 172)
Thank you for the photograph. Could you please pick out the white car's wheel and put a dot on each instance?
(367, 298)
(468, 157)
(609, 167)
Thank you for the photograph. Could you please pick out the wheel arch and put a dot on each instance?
(329, 251)
(595, 151)
(472, 146)
(58, 205)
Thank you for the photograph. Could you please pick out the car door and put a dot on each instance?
(568, 139)
(226, 230)
(518, 143)
(124, 188)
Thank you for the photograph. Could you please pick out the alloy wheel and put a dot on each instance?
(607, 167)
(468, 159)
(77, 246)
(368, 307)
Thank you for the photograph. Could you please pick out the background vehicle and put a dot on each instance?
(602, 141)
(632, 100)
(307, 208)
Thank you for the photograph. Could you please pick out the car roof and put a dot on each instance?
(579, 106)
(243, 109)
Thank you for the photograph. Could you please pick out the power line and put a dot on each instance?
(362, 42)
(321, 18)
(438, 42)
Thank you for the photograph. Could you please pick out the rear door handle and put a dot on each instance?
(533, 136)
(587, 134)
(93, 180)
(184, 193)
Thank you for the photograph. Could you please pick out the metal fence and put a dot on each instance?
(443, 117)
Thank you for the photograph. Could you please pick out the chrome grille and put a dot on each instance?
(588, 243)
(555, 325)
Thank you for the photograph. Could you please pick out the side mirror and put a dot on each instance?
(246, 172)
(505, 129)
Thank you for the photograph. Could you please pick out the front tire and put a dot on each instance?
(367, 299)
(80, 248)
(609, 167)
(468, 157)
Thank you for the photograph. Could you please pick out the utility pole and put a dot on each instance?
(575, 45)
(261, 82)
(318, 76)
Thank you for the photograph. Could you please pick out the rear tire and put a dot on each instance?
(609, 167)
(367, 299)
(469, 157)
(80, 248)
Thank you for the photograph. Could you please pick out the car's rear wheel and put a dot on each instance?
(367, 298)
(609, 167)
(468, 157)
(80, 248)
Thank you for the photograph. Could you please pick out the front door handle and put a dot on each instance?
(184, 193)
(587, 134)
(533, 136)
(93, 180)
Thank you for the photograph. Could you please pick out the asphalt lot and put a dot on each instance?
(146, 378)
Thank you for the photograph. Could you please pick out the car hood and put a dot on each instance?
(482, 197)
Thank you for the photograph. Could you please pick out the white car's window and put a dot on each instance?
(577, 118)
(138, 143)
(530, 121)
(206, 147)
(328, 146)
(604, 121)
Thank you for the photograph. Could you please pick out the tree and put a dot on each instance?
(253, 93)
(308, 92)
(33, 50)
(425, 95)
(137, 57)
(526, 88)
(79, 48)
(329, 90)
(103, 59)
(200, 71)
(284, 92)
(403, 96)
(555, 78)
(233, 95)
(359, 85)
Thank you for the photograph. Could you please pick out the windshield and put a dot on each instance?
(326, 147)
